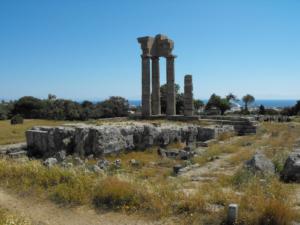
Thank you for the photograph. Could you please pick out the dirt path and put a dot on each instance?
(219, 165)
(47, 213)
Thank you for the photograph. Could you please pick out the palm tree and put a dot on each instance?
(232, 97)
(248, 99)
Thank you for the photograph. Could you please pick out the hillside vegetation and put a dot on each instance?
(151, 188)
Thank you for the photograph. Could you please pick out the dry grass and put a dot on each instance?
(75, 187)
(61, 185)
(240, 157)
(152, 189)
(266, 202)
(7, 218)
(225, 136)
(296, 119)
(11, 134)
(115, 193)
(214, 151)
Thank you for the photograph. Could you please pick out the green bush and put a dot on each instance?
(17, 119)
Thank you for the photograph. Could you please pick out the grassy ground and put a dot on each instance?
(152, 188)
(10, 134)
(7, 218)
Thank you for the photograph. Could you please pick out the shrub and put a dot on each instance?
(17, 119)
(241, 177)
(195, 203)
(115, 193)
(276, 213)
(266, 202)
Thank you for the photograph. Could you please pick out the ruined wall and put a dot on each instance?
(106, 139)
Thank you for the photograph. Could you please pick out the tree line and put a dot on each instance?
(61, 109)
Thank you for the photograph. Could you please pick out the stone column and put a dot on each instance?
(146, 87)
(171, 95)
(188, 96)
(156, 108)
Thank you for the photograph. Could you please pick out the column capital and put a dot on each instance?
(171, 56)
(143, 56)
(155, 57)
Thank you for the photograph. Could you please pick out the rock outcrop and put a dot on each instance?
(260, 163)
(85, 140)
(291, 170)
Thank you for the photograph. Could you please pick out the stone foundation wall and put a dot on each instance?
(100, 140)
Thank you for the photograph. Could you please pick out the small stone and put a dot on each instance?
(97, 169)
(118, 163)
(188, 148)
(201, 144)
(172, 153)
(161, 152)
(134, 163)
(50, 162)
(91, 156)
(185, 155)
(177, 168)
(78, 161)
(60, 156)
(103, 164)
(18, 154)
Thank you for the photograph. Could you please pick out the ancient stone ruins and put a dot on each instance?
(85, 140)
(152, 49)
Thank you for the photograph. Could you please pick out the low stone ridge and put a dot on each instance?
(13, 150)
(242, 125)
(85, 140)
(273, 118)
(179, 154)
(291, 170)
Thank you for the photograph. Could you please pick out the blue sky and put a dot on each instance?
(87, 49)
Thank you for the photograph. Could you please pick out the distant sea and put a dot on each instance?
(277, 103)
(265, 102)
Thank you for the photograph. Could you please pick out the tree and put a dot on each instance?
(248, 99)
(262, 110)
(179, 103)
(296, 108)
(87, 104)
(6, 109)
(231, 97)
(220, 103)
(163, 99)
(51, 97)
(198, 104)
(29, 107)
(115, 107)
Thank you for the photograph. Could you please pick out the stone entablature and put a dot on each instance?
(159, 46)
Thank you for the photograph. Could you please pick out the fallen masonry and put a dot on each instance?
(85, 140)
(291, 170)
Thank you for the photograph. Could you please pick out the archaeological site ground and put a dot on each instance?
(149, 167)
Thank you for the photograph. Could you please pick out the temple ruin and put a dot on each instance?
(152, 49)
